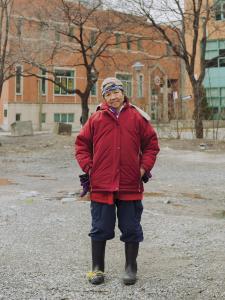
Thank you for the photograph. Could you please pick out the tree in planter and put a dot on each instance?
(188, 20)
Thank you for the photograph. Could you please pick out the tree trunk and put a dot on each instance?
(198, 112)
(199, 128)
(1, 86)
(85, 110)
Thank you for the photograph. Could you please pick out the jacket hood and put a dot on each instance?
(105, 106)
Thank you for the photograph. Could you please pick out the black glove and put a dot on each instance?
(85, 183)
(145, 178)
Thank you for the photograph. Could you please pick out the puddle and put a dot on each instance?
(4, 181)
(193, 196)
(42, 177)
(163, 194)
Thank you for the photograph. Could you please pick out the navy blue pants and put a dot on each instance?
(128, 215)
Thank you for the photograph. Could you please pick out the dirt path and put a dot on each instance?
(44, 247)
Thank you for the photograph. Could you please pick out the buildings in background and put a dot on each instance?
(154, 79)
(146, 67)
(214, 81)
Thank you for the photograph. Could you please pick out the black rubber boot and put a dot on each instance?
(131, 253)
(98, 262)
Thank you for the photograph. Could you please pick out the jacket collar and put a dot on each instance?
(105, 107)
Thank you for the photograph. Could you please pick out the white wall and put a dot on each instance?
(31, 112)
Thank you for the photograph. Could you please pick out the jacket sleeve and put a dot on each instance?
(84, 147)
(149, 145)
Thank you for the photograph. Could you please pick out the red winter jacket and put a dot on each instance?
(113, 149)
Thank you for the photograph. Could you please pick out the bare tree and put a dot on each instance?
(78, 36)
(8, 56)
(188, 20)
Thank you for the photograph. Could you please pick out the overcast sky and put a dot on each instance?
(163, 10)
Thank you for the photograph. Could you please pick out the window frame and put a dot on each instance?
(93, 38)
(215, 51)
(140, 88)
(19, 26)
(63, 114)
(129, 43)
(127, 83)
(20, 93)
(71, 33)
(61, 91)
(219, 61)
(44, 80)
(220, 10)
(96, 90)
(43, 117)
(140, 44)
(18, 116)
(57, 34)
(118, 40)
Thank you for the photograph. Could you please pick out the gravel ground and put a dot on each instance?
(44, 225)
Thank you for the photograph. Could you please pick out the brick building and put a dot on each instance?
(137, 56)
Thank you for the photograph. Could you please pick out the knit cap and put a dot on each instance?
(111, 84)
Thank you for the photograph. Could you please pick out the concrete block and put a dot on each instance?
(63, 128)
(21, 128)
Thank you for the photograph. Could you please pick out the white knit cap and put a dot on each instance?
(110, 84)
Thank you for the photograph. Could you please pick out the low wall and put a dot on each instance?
(184, 129)
(189, 124)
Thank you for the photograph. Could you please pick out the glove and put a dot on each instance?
(85, 183)
(145, 178)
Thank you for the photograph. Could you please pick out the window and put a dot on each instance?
(64, 117)
(118, 40)
(5, 113)
(70, 118)
(216, 100)
(57, 34)
(169, 50)
(94, 89)
(140, 85)
(43, 118)
(154, 92)
(215, 54)
(93, 37)
(66, 79)
(43, 30)
(139, 45)
(56, 117)
(127, 83)
(220, 10)
(19, 25)
(43, 82)
(171, 83)
(18, 80)
(128, 43)
(212, 63)
(221, 61)
(18, 117)
(71, 34)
